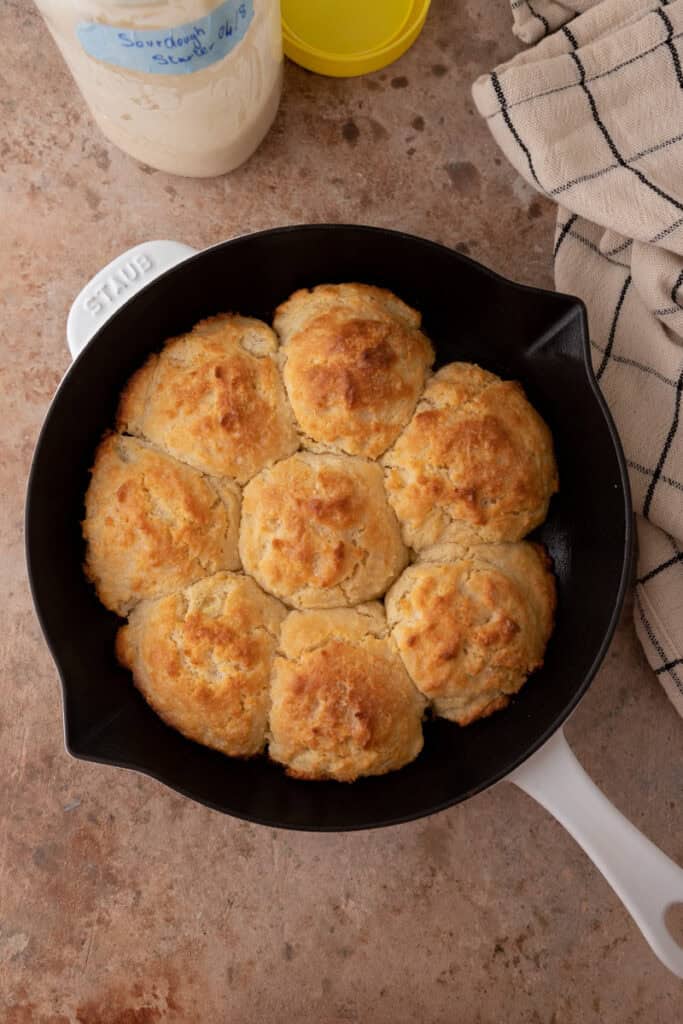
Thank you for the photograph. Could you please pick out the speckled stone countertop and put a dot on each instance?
(121, 902)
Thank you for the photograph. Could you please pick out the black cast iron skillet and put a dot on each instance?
(533, 336)
(536, 337)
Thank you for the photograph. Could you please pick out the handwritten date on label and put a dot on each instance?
(173, 51)
(107, 293)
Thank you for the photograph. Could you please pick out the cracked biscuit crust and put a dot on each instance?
(202, 658)
(153, 525)
(337, 687)
(342, 703)
(214, 398)
(470, 625)
(474, 464)
(317, 531)
(354, 365)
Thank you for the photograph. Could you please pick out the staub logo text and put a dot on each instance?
(106, 292)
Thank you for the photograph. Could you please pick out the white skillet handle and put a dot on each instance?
(115, 284)
(644, 878)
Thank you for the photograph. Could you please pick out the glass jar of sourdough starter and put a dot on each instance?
(187, 86)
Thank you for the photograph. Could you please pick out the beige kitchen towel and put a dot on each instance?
(592, 116)
(533, 19)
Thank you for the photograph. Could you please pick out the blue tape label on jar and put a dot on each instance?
(171, 51)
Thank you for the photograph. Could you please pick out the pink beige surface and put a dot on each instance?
(122, 903)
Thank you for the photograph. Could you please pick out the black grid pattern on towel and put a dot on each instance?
(583, 87)
(670, 666)
(584, 82)
(593, 78)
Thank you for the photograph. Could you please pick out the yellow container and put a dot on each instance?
(345, 38)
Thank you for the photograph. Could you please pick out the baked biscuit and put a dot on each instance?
(214, 398)
(354, 365)
(475, 463)
(317, 531)
(202, 659)
(470, 625)
(153, 525)
(342, 704)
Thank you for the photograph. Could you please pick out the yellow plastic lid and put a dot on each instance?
(344, 38)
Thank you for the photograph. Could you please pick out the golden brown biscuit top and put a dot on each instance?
(471, 625)
(307, 631)
(343, 697)
(343, 705)
(357, 299)
(476, 460)
(222, 624)
(153, 524)
(354, 366)
(317, 530)
(458, 383)
(202, 658)
(215, 399)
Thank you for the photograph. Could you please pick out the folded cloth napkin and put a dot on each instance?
(592, 116)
